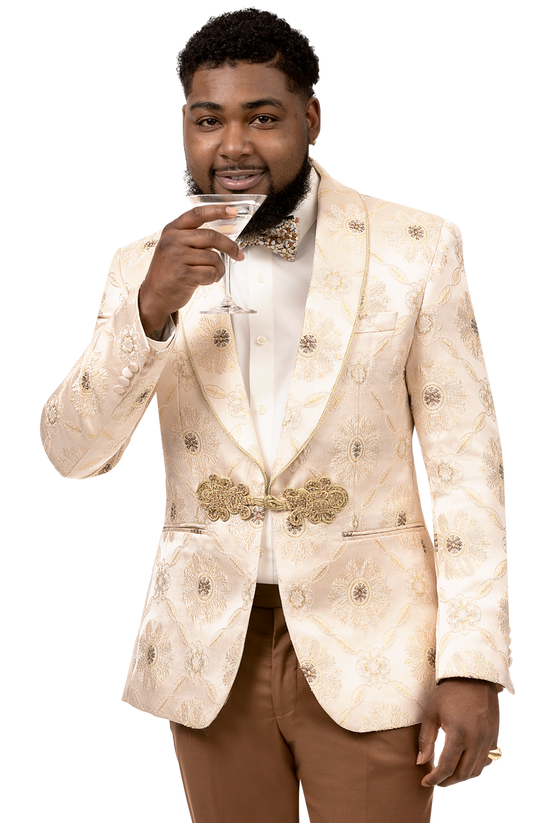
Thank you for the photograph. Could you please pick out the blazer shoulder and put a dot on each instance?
(379, 201)
(376, 205)
(131, 262)
(143, 242)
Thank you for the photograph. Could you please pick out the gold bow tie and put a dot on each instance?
(282, 239)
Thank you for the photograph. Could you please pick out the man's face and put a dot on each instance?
(244, 132)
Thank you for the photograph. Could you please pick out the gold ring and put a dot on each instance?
(496, 755)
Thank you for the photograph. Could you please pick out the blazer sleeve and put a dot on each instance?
(89, 420)
(454, 415)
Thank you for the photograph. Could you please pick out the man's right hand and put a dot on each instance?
(184, 259)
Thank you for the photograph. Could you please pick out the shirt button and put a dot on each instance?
(261, 409)
(261, 278)
(261, 340)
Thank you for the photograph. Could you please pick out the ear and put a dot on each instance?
(312, 118)
(182, 119)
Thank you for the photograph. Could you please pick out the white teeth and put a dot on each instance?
(239, 176)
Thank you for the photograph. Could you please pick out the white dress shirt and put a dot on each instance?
(267, 342)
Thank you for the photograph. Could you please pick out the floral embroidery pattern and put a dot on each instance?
(445, 472)
(181, 365)
(386, 716)
(359, 371)
(319, 349)
(213, 345)
(375, 298)
(398, 508)
(428, 326)
(197, 662)
(298, 597)
(360, 594)
(232, 660)
(414, 296)
(319, 668)
(348, 224)
(332, 282)
(471, 664)
(373, 667)
(196, 441)
(462, 545)
(134, 402)
(297, 542)
(162, 581)
(438, 398)
(192, 713)
(90, 389)
(492, 468)
(205, 588)
(154, 655)
(238, 405)
(413, 236)
(421, 654)
(355, 449)
(503, 617)
(127, 344)
(463, 615)
(137, 254)
(466, 323)
(53, 412)
(418, 586)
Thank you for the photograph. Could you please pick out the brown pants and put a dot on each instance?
(272, 733)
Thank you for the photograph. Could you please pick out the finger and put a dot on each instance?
(194, 219)
(197, 216)
(426, 739)
(466, 769)
(448, 761)
(197, 263)
(211, 239)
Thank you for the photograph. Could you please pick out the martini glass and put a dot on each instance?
(231, 226)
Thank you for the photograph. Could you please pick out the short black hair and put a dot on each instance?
(251, 36)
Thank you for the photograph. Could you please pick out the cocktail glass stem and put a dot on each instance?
(228, 301)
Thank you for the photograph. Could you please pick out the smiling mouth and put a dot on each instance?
(239, 180)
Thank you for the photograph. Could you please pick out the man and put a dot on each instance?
(287, 443)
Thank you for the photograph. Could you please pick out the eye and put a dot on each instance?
(208, 122)
(264, 119)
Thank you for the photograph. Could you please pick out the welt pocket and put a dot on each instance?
(185, 528)
(398, 530)
(378, 322)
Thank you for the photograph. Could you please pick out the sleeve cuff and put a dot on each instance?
(160, 339)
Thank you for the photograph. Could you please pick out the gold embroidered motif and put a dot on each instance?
(319, 501)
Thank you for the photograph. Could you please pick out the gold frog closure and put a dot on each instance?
(220, 498)
(319, 500)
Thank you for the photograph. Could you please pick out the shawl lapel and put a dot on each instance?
(338, 281)
(337, 286)
(210, 344)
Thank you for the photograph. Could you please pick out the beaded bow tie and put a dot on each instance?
(282, 239)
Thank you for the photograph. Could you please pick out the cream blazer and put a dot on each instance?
(378, 612)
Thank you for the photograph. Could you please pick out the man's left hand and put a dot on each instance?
(468, 713)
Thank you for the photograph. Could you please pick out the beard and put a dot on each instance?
(276, 207)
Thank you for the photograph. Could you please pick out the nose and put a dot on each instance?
(235, 142)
